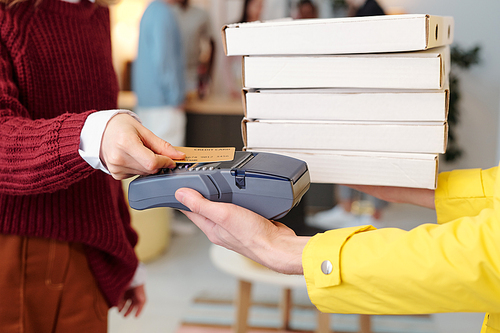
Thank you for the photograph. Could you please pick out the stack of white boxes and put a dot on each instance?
(361, 100)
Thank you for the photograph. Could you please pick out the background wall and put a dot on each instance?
(476, 23)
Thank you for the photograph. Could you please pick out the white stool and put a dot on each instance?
(248, 272)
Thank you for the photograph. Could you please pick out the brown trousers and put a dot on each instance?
(46, 286)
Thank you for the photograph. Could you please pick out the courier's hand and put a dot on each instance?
(129, 149)
(271, 244)
(415, 196)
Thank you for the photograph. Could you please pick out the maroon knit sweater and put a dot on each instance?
(56, 69)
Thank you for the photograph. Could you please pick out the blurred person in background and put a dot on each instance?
(363, 8)
(199, 47)
(158, 73)
(306, 9)
(252, 11)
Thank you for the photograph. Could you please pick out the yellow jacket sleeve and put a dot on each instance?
(464, 193)
(453, 267)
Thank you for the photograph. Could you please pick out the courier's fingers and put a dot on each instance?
(201, 206)
(222, 214)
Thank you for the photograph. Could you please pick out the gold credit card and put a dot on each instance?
(206, 155)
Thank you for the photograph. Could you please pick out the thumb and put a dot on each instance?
(222, 214)
(216, 212)
(160, 146)
(189, 198)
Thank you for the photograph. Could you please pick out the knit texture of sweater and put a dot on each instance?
(56, 69)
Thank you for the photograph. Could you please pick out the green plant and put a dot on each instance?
(460, 60)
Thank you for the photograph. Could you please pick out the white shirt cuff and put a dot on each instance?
(91, 136)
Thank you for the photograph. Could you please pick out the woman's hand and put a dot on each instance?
(132, 299)
(129, 149)
(271, 244)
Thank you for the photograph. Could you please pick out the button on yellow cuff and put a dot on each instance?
(317, 265)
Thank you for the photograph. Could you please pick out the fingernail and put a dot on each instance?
(179, 195)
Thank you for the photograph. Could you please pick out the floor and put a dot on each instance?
(185, 272)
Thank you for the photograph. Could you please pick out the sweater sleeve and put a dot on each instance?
(36, 156)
